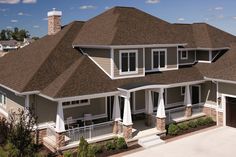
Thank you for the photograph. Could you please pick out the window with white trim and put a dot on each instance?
(184, 55)
(183, 90)
(128, 61)
(159, 58)
(75, 103)
(2, 99)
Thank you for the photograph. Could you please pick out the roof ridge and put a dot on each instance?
(45, 59)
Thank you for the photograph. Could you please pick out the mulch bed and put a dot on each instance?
(190, 130)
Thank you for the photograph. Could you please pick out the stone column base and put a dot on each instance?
(210, 112)
(220, 119)
(40, 134)
(60, 139)
(127, 132)
(148, 120)
(161, 124)
(188, 111)
(115, 127)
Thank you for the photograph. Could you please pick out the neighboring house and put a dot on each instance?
(26, 42)
(8, 45)
(123, 72)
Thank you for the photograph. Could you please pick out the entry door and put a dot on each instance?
(230, 112)
(195, 94)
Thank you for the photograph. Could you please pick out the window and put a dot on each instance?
(159, 58)
(183, 90)
(184, 54)
(75, 103)
(3, 99)
(128, 62)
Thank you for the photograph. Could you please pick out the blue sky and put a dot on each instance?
(32, 14)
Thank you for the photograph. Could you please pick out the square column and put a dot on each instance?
(187, 102)
(116, 114)
(161, 115)
(127, 119)
(148, 107)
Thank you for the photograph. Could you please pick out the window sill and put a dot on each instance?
(129, 73)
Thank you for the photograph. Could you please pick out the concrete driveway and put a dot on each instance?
(219, 142)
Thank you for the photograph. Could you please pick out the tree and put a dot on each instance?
(16, 34)
(20, 137)
(3, 35)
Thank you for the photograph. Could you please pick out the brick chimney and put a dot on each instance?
(54, 21)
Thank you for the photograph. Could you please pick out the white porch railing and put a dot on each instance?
(90, 131)
(51, 133)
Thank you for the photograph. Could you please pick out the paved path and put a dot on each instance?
(219, 142)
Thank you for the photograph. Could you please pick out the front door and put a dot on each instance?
(195, 94)
(230, 112)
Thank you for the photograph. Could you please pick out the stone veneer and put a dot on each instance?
(210, 112)
(220, 118)
(40, 135)
(54, 24)
(161, 124)
(115, 127)
(188, 111)
(127, 132)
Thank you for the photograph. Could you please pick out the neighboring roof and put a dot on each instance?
(130, 26)
(11, 43)
(35, 66)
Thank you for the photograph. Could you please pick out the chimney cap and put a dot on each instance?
(54, 13)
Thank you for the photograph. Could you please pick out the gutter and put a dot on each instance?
(219, 80)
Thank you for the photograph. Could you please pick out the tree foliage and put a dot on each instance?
(16, 34)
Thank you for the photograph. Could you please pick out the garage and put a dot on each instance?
(231, 112)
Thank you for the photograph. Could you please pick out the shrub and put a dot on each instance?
(3, 130)
(98, 148)
(183, 126)
(173, 129)
(83, 148)
(110, 145)
(121, 143)
(201, 121)
(91, 151)
(67, 154)
(209, 120)
(192, 124)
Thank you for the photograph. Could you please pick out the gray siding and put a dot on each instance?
(101, 57)
(174, 95)
(117, 62)
(227, 88)
(140, 100)
(190, 60)
(171, 57)
(208, 92)
(202, 55)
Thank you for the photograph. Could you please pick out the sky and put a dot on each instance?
(32, 14)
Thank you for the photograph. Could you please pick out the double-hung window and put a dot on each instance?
(128, 61)
(159, 58)
(2, 99)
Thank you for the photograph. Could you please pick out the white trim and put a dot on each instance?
(99, 66)
(5, 113)
(159, 58)
(112, 63)
(181, 54)
(190, 63)
(216, 55)
(144, 61)
(130, 76)
(201, 61)
(207, 49)
(75, 105)
(167, 69)
(54, 13)
(220, 80)
(120, 62)
(213, 106)
(129, 46)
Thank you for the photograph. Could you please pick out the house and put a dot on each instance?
(26, 42)
(121, 73)
(8, 45)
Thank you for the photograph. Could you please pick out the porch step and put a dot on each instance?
(150, 141)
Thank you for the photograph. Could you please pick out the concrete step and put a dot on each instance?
(150, 141)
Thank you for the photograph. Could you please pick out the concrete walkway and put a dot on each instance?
(219, 142)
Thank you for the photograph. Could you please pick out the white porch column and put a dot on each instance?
(60, 125)
(127, 118)
(116, 109)
(187, 97)
(27, 102)
(161, 106)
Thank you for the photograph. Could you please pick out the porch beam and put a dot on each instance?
(60, 124)
(127, 118)
(116, 109)
(187, 97)
(161, 106)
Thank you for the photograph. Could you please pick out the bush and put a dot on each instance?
(67, 154)
(209, 120)
(173, 129)
(91, 151)
(83, 148)
(98, 148)
(183, 126)
(201, 121)
(121, 143)
(110, 145)
(3, 130)
(192, 124)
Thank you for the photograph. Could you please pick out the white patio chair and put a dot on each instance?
(69, 122)
(88, 119)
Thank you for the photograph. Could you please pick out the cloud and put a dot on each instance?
(45, 19)
(219, 8)
(23, 14)
(107, 7)
(9, 1)
(220, 16)
(9, 27)
(234, 17)
(29, 1)
(152, 1)
(14, 21)
(36, 26)
(3, 10)
(85, 7)
(181, 19)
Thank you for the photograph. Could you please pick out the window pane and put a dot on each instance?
(184, 54)
(155, 99)
(124, 62)
(155, 60)
(162, 59)
(132, 62)
(84, 101)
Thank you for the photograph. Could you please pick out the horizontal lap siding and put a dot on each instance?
(101, 57)
(117, 62)
(202, 55)
(208, 92)
(190, 60)
(227, 88)
(174, 95)
(140, 100)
